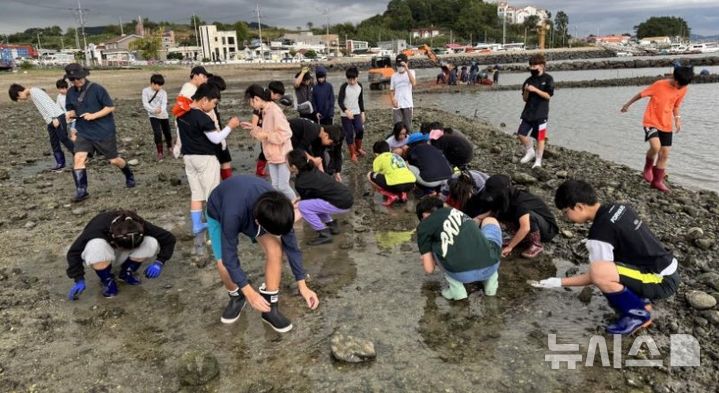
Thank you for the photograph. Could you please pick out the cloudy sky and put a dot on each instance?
(607, 16)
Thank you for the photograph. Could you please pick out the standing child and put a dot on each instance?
(451, 239)
(54, 117)
(277, 92)
(400, 90)
(537, 90)
(154, 100)
(627, 262)
(666, 97)
(390, 175)
(323, 98)
(275, 135)
(200, 137)
(62, 86)
(198, 76)
(303, 84)
(320, 197)
(223, 149)
(351, 104)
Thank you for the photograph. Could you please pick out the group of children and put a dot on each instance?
(462, 213)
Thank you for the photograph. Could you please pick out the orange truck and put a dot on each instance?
(380, 73)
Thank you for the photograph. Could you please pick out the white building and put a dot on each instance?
(218, 45)
(646, 41)
(324, 43)
(354, 46)
(396, 46)
(427, 32)
(188, 52)
(517, 15)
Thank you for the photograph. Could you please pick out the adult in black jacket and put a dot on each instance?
(323, 143)
(118, 236)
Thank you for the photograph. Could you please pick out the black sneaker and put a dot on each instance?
(274, 318)
(334, 227)
(233, 310)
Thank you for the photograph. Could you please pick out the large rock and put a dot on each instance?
(197, 368)
(351, 349)
(694, 233)
(523, 178)
(701, 300)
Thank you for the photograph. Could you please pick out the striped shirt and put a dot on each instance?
(45, 105)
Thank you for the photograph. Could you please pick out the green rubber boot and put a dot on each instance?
(456, 290)
(491, 284)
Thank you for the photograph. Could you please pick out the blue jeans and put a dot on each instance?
(493, 233)
(352, 128)
(59, 135)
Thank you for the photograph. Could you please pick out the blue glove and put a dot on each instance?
(76, 290)
(154, 270)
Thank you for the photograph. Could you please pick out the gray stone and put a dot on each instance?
(710, 278)
(567, 233)
(694, 234)
(700, 300)
(133, 162)
(586, 295)
(562, 174)
(19, 216)
(197, 368)
(4, 174)
(704, 244)
(523, 178)
(30, 225)
(496, 149)
(79, 211)
(351, 349)
(175, 181)
(711, 316)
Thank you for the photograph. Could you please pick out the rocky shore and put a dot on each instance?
(165, 335)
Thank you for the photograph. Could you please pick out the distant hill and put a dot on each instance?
(696, 37)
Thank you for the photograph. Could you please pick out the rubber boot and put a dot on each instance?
(160, 152)
(80, 177)
(274, 318)
(234, 308)
(390, 198)
(358, 146)
(260, 168)
(535, 245)
(353, 152)
(197, 225)
(129, 176)
(127, 272)
(648, 169)
(323, 236)
(491, 284)
(59, 162)
(334, 227)
(403, 197)
(658, 181)
(107, 279)
(225, 173)
(633, 314)
(455, 291)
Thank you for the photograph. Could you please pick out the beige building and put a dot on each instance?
(218, 45)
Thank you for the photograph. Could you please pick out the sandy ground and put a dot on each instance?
(369, 280)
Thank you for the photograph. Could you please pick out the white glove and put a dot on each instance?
(552, 282)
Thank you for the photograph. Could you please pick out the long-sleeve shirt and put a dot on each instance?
(274, 134)
(45, 105)
(314, 184)
(323, 100)
(60, 101)
(99, 228)
(306, 136)
(231, 204)
(159, 100)
(350, 97)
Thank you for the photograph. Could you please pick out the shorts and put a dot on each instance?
(203, 175)
(493, 233)
(214, 231)
(106, 147)
(535, 129)
(380, 180)
(99, 250)
(665, 138)
(647, 285)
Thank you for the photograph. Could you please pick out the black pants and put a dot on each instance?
(546, 229)
(58, 135)
(160, 127)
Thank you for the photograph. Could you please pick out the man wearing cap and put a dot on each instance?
(323, 98)
(91, 106)
(198, 76)
(400, 91)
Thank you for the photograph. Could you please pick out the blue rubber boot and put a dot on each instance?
(127, 272)
(80, 177)
(633, 314)
(129, 176)
(197, 225)
(59, 162)
(107, 279)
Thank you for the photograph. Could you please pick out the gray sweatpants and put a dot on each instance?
(405, 116)
(422, 182)
(99, 250)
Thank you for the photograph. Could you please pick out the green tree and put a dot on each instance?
(242, 30)
(310, 25)
(311, 54)
(531, 22)
(399, 15)
(561, 24)
(175, 56)
(148, 46)
(663, 26)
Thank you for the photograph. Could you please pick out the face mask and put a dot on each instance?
(534, 72)
(401, 70)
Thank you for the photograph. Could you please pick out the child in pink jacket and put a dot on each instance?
(275, 135)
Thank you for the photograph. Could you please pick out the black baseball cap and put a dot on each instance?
(199, 70)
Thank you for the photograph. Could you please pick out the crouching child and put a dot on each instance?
(451, 239)
(390, 175)
(119, 236)
(627, 262)
(320, 197)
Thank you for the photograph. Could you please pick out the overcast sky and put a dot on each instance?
(607, 16)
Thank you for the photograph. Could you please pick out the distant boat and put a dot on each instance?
(678, 48)
(625, 54)
(705, 47)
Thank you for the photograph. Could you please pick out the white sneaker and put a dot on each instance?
(537, 164)
(528, 156)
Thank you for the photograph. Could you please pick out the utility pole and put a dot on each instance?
(122, 31)
(80, 11)
(504, 24)
(39, 45)
(259, 30)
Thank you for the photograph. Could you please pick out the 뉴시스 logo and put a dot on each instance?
(684, 351)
